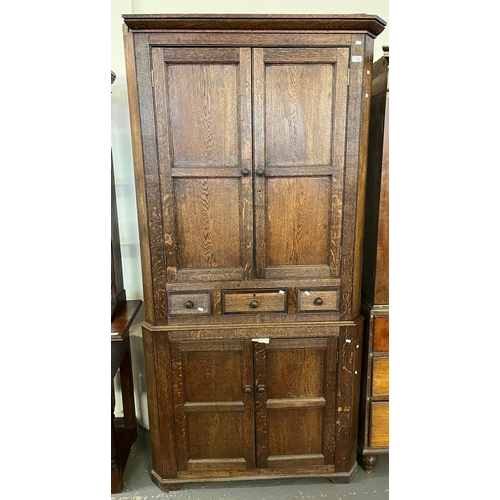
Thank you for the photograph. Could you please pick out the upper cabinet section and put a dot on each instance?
(250, 137)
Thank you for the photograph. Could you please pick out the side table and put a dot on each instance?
(123, 430)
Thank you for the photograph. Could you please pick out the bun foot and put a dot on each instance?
(369, 462)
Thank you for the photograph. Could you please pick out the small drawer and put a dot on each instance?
(254, 302)
(189, 304)
(379, 424)
(380, 377)
(318, 300)
(381, 334)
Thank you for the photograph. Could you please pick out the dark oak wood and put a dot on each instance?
(123, 430)
(340, 22)
(374, 418)
(250, 137)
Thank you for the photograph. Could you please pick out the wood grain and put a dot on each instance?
(297, 218)
(151, 175)
(214, 416)
(208, 226)
(254, 302)
(380, 377)
(379, 432)
(251, 142)
(381, 334)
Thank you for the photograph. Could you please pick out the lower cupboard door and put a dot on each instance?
(214, 405)
(294, 402)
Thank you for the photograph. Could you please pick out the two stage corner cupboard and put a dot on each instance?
(249, 138)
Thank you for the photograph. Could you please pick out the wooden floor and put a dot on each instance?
(138, 484)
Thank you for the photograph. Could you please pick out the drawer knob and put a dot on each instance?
(261, 390)
(248, 390)
(245, 171)
(189, 304)
(318, 301)
(260, 172)
(254, 304)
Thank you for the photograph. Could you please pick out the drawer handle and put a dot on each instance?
(318, 301)
(189, 304)
(248, 390)
(261, 390)
(260, 172)
(254, 304)
(245, 171)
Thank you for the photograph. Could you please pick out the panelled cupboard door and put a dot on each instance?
(204, 133)
(240, 405)
(213, 405)
(251, 133)
(300, 113)
(294, 402)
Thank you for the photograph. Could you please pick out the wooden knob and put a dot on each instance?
(254, 304)
(318, 301)
(189, 304)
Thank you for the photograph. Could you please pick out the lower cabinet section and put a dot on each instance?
(267, 407)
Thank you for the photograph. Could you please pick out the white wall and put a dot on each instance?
(120, 127)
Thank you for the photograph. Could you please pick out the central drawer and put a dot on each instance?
(254, 301)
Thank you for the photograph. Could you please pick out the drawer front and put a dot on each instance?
(380, 377)
(254, 302)
(379, 424)
(189, 304)
(318, 300)
(381, 334)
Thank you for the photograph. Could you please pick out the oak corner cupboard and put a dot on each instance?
(249, 137)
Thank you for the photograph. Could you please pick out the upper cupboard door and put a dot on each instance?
(300, 109)
(204, 129)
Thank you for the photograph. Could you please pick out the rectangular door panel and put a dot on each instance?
(203, 104)
(298, 222)
(295, 432)
(207, 222)
(207, 449)
(299, 99)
